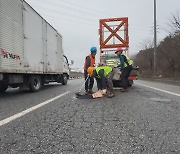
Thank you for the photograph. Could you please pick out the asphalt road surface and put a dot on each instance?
(146, 120)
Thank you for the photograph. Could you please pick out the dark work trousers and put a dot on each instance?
(99, 84)
(125, 75)
(89, 83)
(109, 83)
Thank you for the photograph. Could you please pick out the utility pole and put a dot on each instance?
(155, 39)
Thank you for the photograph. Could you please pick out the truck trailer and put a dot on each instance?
(31, 52)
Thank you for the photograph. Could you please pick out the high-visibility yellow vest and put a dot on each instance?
(130, 62)
(106, 69)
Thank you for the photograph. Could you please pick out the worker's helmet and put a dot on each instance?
(93, 49)
(90, 70)
(119, 49)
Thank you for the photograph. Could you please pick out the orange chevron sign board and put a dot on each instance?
(113, 33)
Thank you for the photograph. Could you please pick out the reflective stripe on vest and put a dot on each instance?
(130, 62)
(106, 69)
(92, 62)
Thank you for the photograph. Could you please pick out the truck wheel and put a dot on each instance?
(35, 83)
(3, 88)
(64, 79)
(130, 83)
(14, 85)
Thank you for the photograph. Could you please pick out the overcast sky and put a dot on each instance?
(78, 22)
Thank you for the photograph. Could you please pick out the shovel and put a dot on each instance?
(79, 92)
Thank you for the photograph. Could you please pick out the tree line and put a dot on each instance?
(167, 56)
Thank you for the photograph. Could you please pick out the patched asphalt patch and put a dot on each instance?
(158, 99)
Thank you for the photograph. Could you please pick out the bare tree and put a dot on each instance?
(147, 44)
(144, 59)
(175, 23)
(168, 55)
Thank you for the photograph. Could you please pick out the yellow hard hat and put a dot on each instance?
(90, 70)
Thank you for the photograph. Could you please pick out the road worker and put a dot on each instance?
(125, 67)
(103, 76)
(89, 62)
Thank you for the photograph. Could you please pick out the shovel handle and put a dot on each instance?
(84, 83)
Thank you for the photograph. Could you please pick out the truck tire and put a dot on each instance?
(35, 83)
(3, 88)
(64, 79)
(130, 83)
(14, 85)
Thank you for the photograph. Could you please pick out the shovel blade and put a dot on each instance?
(78, 94)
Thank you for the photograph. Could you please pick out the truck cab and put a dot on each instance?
(66, 70)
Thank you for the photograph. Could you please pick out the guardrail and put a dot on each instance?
(76, 75)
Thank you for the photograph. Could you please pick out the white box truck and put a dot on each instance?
(31, 52)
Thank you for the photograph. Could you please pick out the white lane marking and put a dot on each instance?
(169, 92)
(20, 114)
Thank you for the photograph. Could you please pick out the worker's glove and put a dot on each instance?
(104, 91)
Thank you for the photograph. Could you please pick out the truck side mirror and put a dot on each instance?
(72, 62)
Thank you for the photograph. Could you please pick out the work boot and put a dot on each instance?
(86, 92)
(90, 91)
(110, 95)
(123, 90)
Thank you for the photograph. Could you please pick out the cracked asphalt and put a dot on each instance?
(130, 123)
